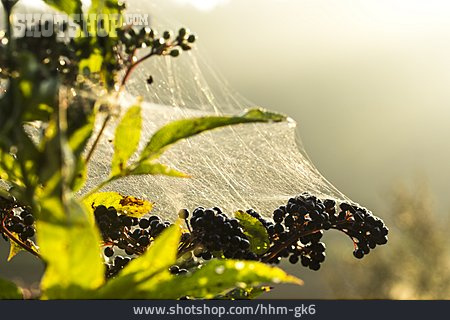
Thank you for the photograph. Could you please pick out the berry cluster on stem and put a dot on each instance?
(294, 232)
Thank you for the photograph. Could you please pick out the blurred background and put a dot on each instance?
(368, 83)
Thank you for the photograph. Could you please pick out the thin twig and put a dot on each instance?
(280, 248)
(277, 249)
(133, 66)
(162, 51)
(97, 139)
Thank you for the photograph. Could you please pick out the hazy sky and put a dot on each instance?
(367, 80)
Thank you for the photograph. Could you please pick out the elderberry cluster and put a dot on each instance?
(130, 40)
(366, 230)
(215, 234)
(16, 223)
(164, 44)
(22, 225)
(295, 233)
(298, 228)
(125, 236)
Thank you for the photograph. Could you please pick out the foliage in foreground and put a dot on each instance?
(64, 91)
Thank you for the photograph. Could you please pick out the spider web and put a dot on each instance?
(256, 166)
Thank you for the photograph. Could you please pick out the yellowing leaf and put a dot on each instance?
(14, 249)
(128, 205)
(133, 206)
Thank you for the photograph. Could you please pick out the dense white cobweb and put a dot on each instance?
(256, 166)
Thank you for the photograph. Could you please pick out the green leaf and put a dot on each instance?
(9, 169)
(70, 245)
(155, 168)
(127, 205)
(255, 232)
(218, 277)
(35, 91)
(126, 141)
(51, 156)
(77, 141)
(67, 6)
(182, 129)
(80, 175)
(9, 291)
(80, 135)
(142, 273)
